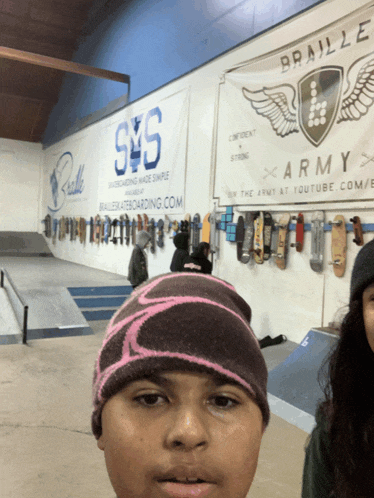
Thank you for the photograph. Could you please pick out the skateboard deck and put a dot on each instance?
(140, 223)
(248, 238)
(67, 224)
(281, 257)
(106, 230)
(318, 241)
(152, 232)
(146, 223)
(97, 229)
(268, 232)
(48, 226)
(167, 224)
(206, 229)
(259, 238)
(185, 223)
(71, 228)
(338, 245)
(133, 231)
(114, 224)
(299, 244)
(175, 227)
(121, 228)
(160, 232)
(214, 219)
(239, 238)
(54, 230)
(127, 226)
(357, 230)
(91, 229)
(82, 230)
(195, 231)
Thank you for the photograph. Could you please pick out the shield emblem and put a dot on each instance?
(319, 97)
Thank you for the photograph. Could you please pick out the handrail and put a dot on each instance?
(25, 307)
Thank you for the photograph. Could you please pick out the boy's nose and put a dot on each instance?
(187, 430)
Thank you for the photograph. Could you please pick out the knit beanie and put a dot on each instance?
(142, 238)
(363, 270)
(184, 322)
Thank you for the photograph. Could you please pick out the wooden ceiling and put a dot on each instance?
(28, 92)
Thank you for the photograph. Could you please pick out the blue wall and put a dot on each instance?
(156, 41)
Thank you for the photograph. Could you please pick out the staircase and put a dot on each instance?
(100, 303)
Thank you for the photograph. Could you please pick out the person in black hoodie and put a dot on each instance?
(198, 261)
(181, 251)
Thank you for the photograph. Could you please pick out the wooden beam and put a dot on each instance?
(71, 67)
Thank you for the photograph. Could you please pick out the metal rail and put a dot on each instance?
(4, 273)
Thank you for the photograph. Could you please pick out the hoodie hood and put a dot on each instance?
(142, 238)
(181, 241)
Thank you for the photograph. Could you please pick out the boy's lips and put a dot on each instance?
(187, 482)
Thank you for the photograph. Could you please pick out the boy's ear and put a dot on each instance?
(101, 443)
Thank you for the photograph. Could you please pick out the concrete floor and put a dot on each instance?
(46, 446)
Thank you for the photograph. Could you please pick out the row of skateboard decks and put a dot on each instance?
(259, 235)
(122, 230)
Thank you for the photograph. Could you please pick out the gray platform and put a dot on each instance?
(24, 244)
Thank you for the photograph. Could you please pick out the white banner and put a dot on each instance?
(296, 125)
(134, 161)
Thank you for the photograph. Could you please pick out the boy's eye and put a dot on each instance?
(223, 401)
(150, 399)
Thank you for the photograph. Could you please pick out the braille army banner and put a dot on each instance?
(296, 125)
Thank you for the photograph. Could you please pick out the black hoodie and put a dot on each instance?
(198, 262)
(181, 252)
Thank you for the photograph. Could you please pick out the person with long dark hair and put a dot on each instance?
(339, 460)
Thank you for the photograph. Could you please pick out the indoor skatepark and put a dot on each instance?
(229, 113)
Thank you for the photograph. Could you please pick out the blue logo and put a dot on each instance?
(59, 179)
(61, 186)
(136, 150)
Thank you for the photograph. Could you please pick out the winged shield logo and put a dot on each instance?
(319, 100)
(319, 97)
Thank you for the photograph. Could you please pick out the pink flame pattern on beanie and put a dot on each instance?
(180, 321)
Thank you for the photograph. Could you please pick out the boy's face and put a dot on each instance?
(160, 432)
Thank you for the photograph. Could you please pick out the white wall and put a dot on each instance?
(20, 185)
(286, 302)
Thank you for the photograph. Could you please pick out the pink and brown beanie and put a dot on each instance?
(180, 321)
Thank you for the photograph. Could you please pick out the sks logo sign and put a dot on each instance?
(316, 104)
(138, 145)
(62, 184)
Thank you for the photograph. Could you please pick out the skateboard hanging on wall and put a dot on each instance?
(338, 245)
(146, 223)
(133, 231)
(195, 231)
(281, 256)
(97, 228)
(167, 224)
(48, 226)
(121, 228)
(258, 251)
(114, 238)
(127, 229)
(357, 230)
(83, 230)
(152, 232)
(206, 229)
(175, 228)
(160, 232)
(54, 230)
(317, 241)
(239, 238)
(299, 244)
(91, 229)
(268, 232)
(214, 234)
(249, 233)
(140, 223)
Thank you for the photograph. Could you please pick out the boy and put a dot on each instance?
(179, 391)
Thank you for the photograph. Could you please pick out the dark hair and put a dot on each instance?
(349, 407)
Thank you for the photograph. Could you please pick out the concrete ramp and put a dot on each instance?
(23, 244)
(293, 387)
